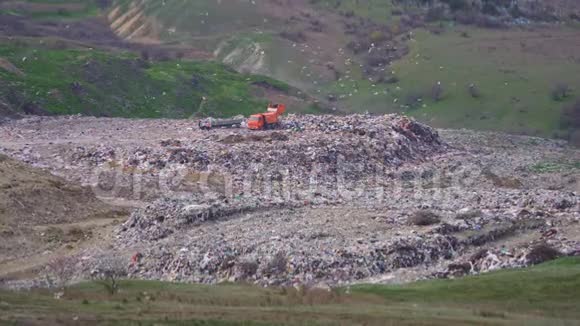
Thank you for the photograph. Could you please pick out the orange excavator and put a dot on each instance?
(267, 120)
(261, 121)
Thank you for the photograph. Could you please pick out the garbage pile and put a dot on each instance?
(372, 140)
(275, 263)
(493, 259)
(210, 240)
(353, 147)
(166, 216)
(324, 199)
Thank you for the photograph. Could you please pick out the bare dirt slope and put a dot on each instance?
(42, 215)
(35, 197)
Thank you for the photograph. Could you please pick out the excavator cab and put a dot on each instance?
(256, 122)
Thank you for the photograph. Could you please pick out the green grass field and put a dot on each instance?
(63, 10)
(82, 80)
(547, 294)
(379, 11)
(514, 72)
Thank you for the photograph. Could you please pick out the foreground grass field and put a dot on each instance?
(547, 294)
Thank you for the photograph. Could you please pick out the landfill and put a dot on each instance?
(321, 200)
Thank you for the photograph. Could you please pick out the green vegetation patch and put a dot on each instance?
(554, 167)
(547, 294)
(56, 80)
(551, 287)
(54, 9)
(479, 79)
(379, 11)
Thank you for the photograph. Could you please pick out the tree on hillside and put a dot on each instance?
(60, 271)
(561, 91)
(437, 92)
(109, 270)
(473, 90)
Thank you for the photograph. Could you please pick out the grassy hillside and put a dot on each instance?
(544, 295)
(53, 80)
(362, 55)
(53, 9)
(378, 10)
(513, 69)
(513, 74)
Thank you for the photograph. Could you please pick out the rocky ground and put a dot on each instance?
(324, 199)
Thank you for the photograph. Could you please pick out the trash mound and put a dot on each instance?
(370, 141)
(211, 240)
(166, 216)
(493, 259)
(351, 147)
(268, 264)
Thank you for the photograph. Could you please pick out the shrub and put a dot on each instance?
(436, 30)
(542, 253)
(247, 269)
(102, 4)
(396, 12)
(560, 92)
(424, 218)
(60, 45)
(457, 5)
(466, 18)
(413, 100)
(377, 59)
(348, 13)
(500, 181)
(298, 37)
(60, 271)
(358, 46)
(574, 138)
(488, 22)
(316, 26)
(278, 263)
(468, 214)
(473, 91)
(435, 14)
(490, 9)
(392, 80)
(437, 92)
(63, 12)
(377, 36)
(145, 56)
